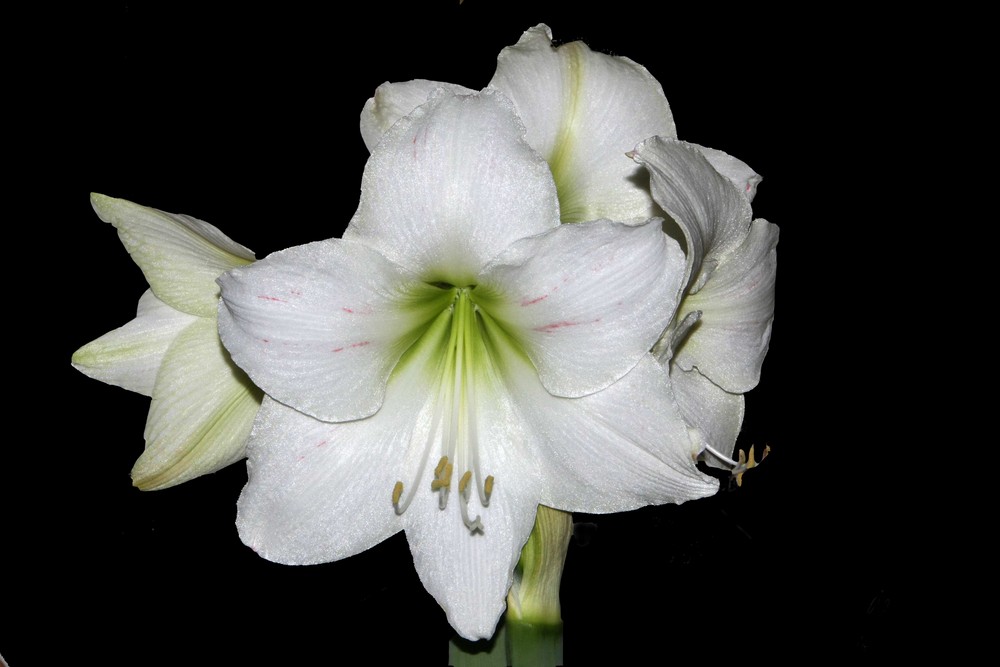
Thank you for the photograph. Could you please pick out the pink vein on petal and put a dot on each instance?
(265, 297)
(529, 302)
(548, 328)
(556, 325)
(351, 346)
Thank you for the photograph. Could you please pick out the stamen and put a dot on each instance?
(420, 470)
(747, 464)
(453, 430)
(484, 496)
(443, 483)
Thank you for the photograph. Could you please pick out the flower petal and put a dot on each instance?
(130, 356)
(392, 101)
(742, 176)
(713, 413)
(584, 111)
(318, 491)
(586, 301)
(180, 256)
(730, 341)
(469, 575)
(614, 450)
(452, 185)
(319, 327)
(712, 213)
(202, 410)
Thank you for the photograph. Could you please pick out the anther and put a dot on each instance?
(748, 463)
(442, 475)
(443, 482)
(488, 489)
(444, 479)
(397, 493)
(440, 466)
(463, 483)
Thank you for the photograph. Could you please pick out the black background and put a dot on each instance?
(248, 119)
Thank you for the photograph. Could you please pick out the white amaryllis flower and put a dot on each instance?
(203, 405)
(585, 112)
(458, 358)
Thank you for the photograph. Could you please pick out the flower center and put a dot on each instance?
(459, 359)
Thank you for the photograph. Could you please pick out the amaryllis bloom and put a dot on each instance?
(203, 405)
(719, 337)
(585, 112)
(455, 360)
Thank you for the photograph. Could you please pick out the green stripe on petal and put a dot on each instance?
(202, 410)
(583, 112)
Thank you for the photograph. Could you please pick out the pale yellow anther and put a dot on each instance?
(444, 479)
(464, 482)
(440, 466)
(397, 492)
(488, 486)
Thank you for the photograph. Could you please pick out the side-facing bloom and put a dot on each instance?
(585, 112)
(202, 405)
(458, 358)
(718, 339)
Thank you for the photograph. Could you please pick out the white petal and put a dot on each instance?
(320, 492)
(742, 176)
(584, 111)
(392, 101)
(319, 327)
(130, 356)
(469, 575)
(586, 301)
(730, 341)
(202, 410)
(180, 256)
(615, 450)
(452, 185)
(712, 213)
(715, 414)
